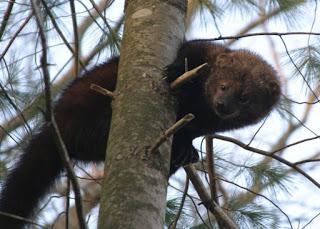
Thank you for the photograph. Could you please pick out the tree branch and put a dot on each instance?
(76, 52)
(21, 219)
(269, 154)
(102, 90)
(6, 16)
(16, 121)
(185, 192)
(15, 36)
(258, 194)
(173, 129)
(50, 116)
(211, 174)
(260, 34)
(211, 205)
(188, 76)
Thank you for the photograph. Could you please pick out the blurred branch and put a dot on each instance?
(276, 59)
(56, 26)
(76, 46)
(111, 32)
(185, 191)
(297, 68)
(263, 18)
(103, 4)
(6, 16)
(271, 154)
(258, 194)
(21, 218)
(43, 60)
(15, 107)
(260, 20)
(15, 36)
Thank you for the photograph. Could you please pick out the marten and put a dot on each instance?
(239, 88)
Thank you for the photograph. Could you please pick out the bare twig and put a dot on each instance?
(206, 200)
(67, 163)
(189, 75)
(75, 37)
(210, 168)
(43, 59)
(258, 194)
(310, 221)
(269, 154)
(26, 220)
(15, 36)
(185, 192)
(297, 68)
(173, 129)
(17, 109)
(279, 34)
(50, 117)
(211, 174)
(56, 26)
(87, 22)
(7, 133)
(111, 33)
(67, 204)
(306, 161)
(275, 55)
(102, 90)
(295, 143)
(260, 20)
(6, 16)
(28, 112)
(191, 197)
(280, 144)
(90, 198)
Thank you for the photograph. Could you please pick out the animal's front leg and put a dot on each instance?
(182, 151)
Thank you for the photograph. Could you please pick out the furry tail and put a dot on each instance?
(30, 179)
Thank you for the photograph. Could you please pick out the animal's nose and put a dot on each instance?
(220, 106)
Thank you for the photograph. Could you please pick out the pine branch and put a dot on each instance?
(211, 205)
(272, 154)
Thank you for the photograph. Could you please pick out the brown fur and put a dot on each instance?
(239, 89)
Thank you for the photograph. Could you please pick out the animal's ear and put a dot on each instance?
(224, 60)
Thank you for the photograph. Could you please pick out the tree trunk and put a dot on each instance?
(135, 184)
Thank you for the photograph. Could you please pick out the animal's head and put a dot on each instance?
(242, 86)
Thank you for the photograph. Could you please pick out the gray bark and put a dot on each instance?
(135, 184)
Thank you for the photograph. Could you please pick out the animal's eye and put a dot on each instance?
(222, 87)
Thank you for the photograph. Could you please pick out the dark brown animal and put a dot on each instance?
(239, 89)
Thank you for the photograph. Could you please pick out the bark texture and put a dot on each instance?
(134, 189)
